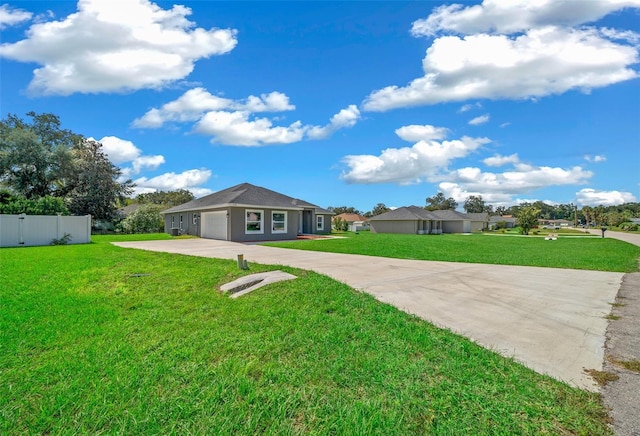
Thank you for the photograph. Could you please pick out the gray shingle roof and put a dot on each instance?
(406, 213)
(246, 194)
(411, 213)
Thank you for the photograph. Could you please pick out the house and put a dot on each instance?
(408, 220)
(247, 213)
(554, 224)
(508, 220)
(460, 222)
(356, 222)
(417, 220)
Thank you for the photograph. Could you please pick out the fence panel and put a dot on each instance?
(32, 230)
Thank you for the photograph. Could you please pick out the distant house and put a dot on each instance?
(508, 220)
(554, 224)
(247, 212)
(128, 210)
(417, 220)
(356, 222)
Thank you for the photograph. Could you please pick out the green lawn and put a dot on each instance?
(100, 339)
(591, 253)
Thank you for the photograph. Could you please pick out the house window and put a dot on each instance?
(173, 221)
(278, 222)
(195, 218)
(320, 222)
(254, 220)
(180, 221)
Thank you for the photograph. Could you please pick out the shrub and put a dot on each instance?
(628, 227)
(146, 219)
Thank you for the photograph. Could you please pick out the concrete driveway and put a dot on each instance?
(551, 320)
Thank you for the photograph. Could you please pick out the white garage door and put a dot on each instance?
(214, 225)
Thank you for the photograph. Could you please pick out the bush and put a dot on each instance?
(42, 206)
(628, 227)
(146, 219)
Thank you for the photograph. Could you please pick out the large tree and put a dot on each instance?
(440, 202)
(96, 189)
(474, 204)
(38, 158)
(168, 198)
(35, 158)
(344, 209)
(379, 209)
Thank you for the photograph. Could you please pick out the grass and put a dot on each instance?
(602, 377)
(631, 365)
(86, 346)
(601, 254)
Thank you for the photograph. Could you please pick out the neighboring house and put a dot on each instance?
(417, 220)
(356, 222)
(408, 220)
(460, 222)
(508, 220)
(128, 210)
(247, 213)
(554, 223)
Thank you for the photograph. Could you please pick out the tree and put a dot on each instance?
(344, 209)
(439, 202)
(35, 156)
(168, 199)
(527, 218)
(379, 208)
(96, 189)
(340, 225)
(501, 210)
(474, 204)
(15, 205)
(586, 211)
(145, 219)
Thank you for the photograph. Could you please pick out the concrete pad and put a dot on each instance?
(551, 320)
(263, 279)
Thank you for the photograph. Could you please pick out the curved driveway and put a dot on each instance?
(551, 320)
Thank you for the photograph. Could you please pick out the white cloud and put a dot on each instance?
(502, 187)
(592, 197)
(479, 120)
(408, 165)
(230, 122)
(347, 117)
(190, 180)
(512, 16)
(11, 16)
(193, 104)
(467, 107)
(116, 46)
(236, 128)
(541, 62)
(415, 133)
(506, 124)
(595, 159)
(120, 151)
(498, 160)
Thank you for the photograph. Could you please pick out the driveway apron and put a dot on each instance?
(551, 320)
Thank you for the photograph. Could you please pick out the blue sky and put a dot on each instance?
(343, 103)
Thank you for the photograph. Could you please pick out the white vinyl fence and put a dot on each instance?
(30, 230)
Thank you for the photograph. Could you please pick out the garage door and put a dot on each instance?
(214, 225)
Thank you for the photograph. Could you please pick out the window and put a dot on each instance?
(278, 222)
(195, 218)
(173, 221)
(180, 221)
(320, 222)
(254, 221)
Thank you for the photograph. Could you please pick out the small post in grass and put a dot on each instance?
(240, 261)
